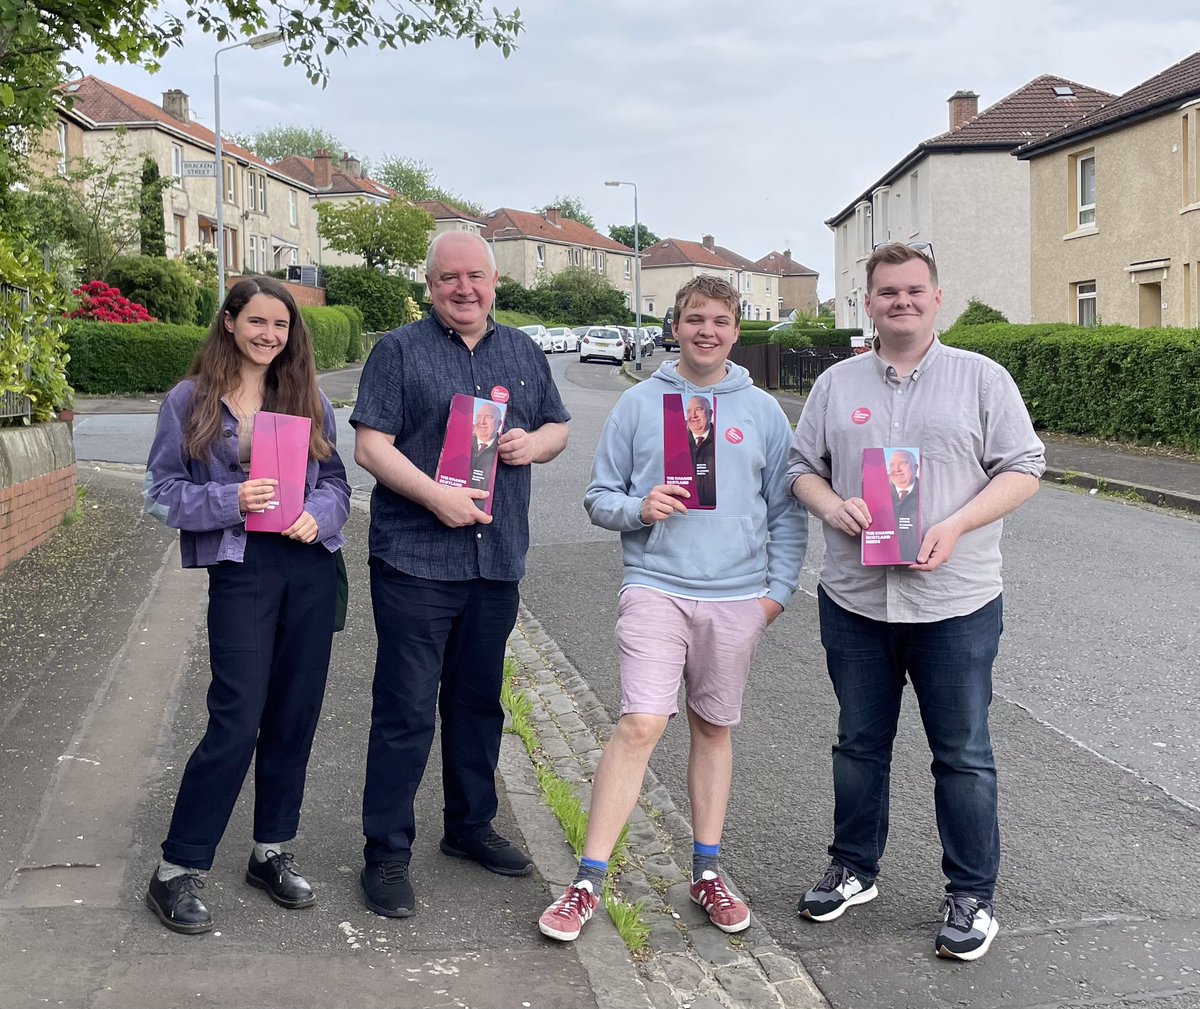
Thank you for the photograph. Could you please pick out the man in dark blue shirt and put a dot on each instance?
(444, 574)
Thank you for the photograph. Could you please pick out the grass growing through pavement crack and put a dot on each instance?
(629, 919)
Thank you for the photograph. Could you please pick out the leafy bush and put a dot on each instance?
(380, 298)
(108, 358)
(1106, 381)
(100, 303)
(977, 313)
(330, 331)
(33, 356)
(165, 286)
(354, 348)
(206, 306)
(579, 297)
(512, 297)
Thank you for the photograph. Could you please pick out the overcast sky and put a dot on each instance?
(752, 121)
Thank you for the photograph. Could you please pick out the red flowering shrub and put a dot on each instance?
(100, 303)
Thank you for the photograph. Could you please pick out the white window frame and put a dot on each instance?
(180, 233)
(540, 252)
(177, 163)
(249, 190)
(252, 252)
(62, 148)
(1085, 210)
(602, 267)
(231, 244)
(293, 208)
(628, 268)
(1085, 291)
(262, 193)
(230, 183)
(649, 307)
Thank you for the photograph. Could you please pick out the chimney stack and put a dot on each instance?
(553, 217)
(175, 105)
(351, 166)
(709, 243)
(964, 106)
(321, 169)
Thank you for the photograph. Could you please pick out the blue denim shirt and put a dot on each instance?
(199, 497)
(405, 391)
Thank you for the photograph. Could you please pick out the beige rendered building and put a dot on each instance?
(1115, 209)
(268, 223)
(529, 246)
(670, 263)
(797, 283)
(965, 195)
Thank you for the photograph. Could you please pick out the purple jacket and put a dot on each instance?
(199, 496)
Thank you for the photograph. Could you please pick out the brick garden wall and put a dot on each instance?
(37, 486)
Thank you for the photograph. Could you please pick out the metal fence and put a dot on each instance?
(798, 369)
(13, 405)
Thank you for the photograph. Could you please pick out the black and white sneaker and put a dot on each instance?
(838, 890)
(969, 929)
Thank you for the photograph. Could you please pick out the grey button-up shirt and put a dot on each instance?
(965, 414)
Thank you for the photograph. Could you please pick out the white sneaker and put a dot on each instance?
(838, 890)
(969, 930)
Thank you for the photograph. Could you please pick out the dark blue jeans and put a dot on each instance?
(270, 627)
(441, 651)
(949, 663)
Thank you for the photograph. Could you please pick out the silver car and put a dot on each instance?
(563, 339)
(541, 336)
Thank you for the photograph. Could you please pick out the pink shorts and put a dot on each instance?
(663, 639)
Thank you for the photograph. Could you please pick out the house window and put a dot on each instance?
(1085, 190)
(230, 190)
(1085, 303)
(757, 312)
(293, 210)
(295, 257)
(914, 203)
(780, 306)
(595, 260)
(768, 315)
(262, 193)
(231, 248)
(252, 251)
(628, 268)
(177, 162)
(180, 244)
(602, 262)
(768, 285)
(62, 149)
(540, 251)
(1191, 156)
(650, 307)
(249, 190)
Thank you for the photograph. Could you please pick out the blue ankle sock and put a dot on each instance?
(704, 859)
(594, 871)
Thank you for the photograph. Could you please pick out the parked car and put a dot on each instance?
(603, 342)
(563, 339)
(647, 342)
(656, 333)
(779, 325)
(669, 342)
(540, 336)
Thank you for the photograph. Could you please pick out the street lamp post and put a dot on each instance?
(637, 274)
(258, 42)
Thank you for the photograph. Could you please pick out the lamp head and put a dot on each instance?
(266, 39)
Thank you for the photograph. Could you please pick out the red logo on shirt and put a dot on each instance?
(861, 415)
(499, 394)
(734, 436)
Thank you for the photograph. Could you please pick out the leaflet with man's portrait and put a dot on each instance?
(891, 487)
(470, 449)
(689, 447)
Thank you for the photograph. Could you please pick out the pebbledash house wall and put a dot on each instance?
(37, 486)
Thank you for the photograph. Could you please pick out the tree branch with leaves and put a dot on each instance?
(386, 235)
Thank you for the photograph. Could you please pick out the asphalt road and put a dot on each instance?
(1094, 724)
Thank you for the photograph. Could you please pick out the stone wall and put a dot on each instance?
(37, 486)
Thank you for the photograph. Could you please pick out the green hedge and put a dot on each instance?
(120, 358)
(330, 331)
(354, 349)
(799, 337)
(380, 298)
(1139, 385)
(165, 286)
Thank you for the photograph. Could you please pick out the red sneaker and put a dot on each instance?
(724, 909)
(565, 918)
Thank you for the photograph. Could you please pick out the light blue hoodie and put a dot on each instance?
(725, 553)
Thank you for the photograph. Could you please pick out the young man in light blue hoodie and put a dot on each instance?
(700, 586)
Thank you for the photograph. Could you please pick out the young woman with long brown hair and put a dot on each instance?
(271, 597)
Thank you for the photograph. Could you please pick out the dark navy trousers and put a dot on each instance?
(949, 663)
(270, 627)
(441, 651)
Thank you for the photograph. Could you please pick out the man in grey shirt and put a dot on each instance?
(937, 621)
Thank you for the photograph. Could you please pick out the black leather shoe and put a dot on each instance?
(387, 889)
(490, 850)
(177, 903)
(278, 876)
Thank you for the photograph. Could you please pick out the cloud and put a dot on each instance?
(752, 122)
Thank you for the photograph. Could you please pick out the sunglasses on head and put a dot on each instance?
(924, 248)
